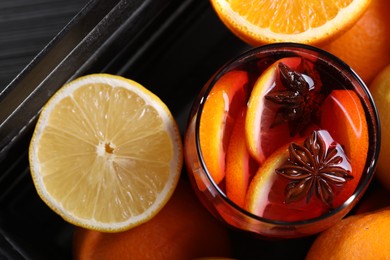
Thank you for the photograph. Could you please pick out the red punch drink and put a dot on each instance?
(282, 141)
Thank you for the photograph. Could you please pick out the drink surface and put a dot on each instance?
(284, 138)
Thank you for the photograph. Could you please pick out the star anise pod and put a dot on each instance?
(315, 168)
(299, 97)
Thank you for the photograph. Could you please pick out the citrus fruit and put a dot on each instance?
(183, 229)
(362, 236)
(266, 195)
(301, 180)
(366, 45)
(257, 196)
(106, 153)
(311, 22)
(380, 90)
(262, 136)
(342, 114)
(219, 112)
(239, 164)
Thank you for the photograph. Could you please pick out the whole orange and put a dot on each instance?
(366, 46)
(380, 91)
(362, 236)
(183, 229)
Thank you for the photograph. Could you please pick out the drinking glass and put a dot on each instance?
(334, 74)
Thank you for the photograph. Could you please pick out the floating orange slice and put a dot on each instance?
(266, 193)
(239, 164)
(343, 116)
(219, 112)
(301, 180)
(306, 21)
(263, 138)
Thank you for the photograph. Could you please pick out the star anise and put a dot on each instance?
(315, 168)
(298, 96)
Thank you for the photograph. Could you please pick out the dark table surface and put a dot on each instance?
(26, 26)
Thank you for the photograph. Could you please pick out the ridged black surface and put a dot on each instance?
(26, 26)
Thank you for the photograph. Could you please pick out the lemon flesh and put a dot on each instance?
(106, 153)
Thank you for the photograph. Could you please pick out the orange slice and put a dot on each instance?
(306, 21)
(267, 195)
(219, 112)
(263, 138)
(344, 117)
(106, 153)
(258, 192)
(239, 164)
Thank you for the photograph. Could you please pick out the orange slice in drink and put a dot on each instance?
(219, 112)
(301, 180)
(240, 167)
(258, 192)
(306, 21)
(262, 137)
(266, 195)
(344, 117)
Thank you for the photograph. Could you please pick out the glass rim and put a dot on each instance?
(370, 164)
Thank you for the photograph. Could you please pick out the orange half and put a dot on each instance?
(305, 21)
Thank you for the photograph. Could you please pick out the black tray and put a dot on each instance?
(170, 46)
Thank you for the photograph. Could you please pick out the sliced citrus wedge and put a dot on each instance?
(301, 180)
(262, 137)
(257, 198)
(311, 22)
(106, 153)
(343, 116)
(219, 112)
(240, 167)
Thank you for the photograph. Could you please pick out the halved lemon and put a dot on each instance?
(106, 153)
(305, 21)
